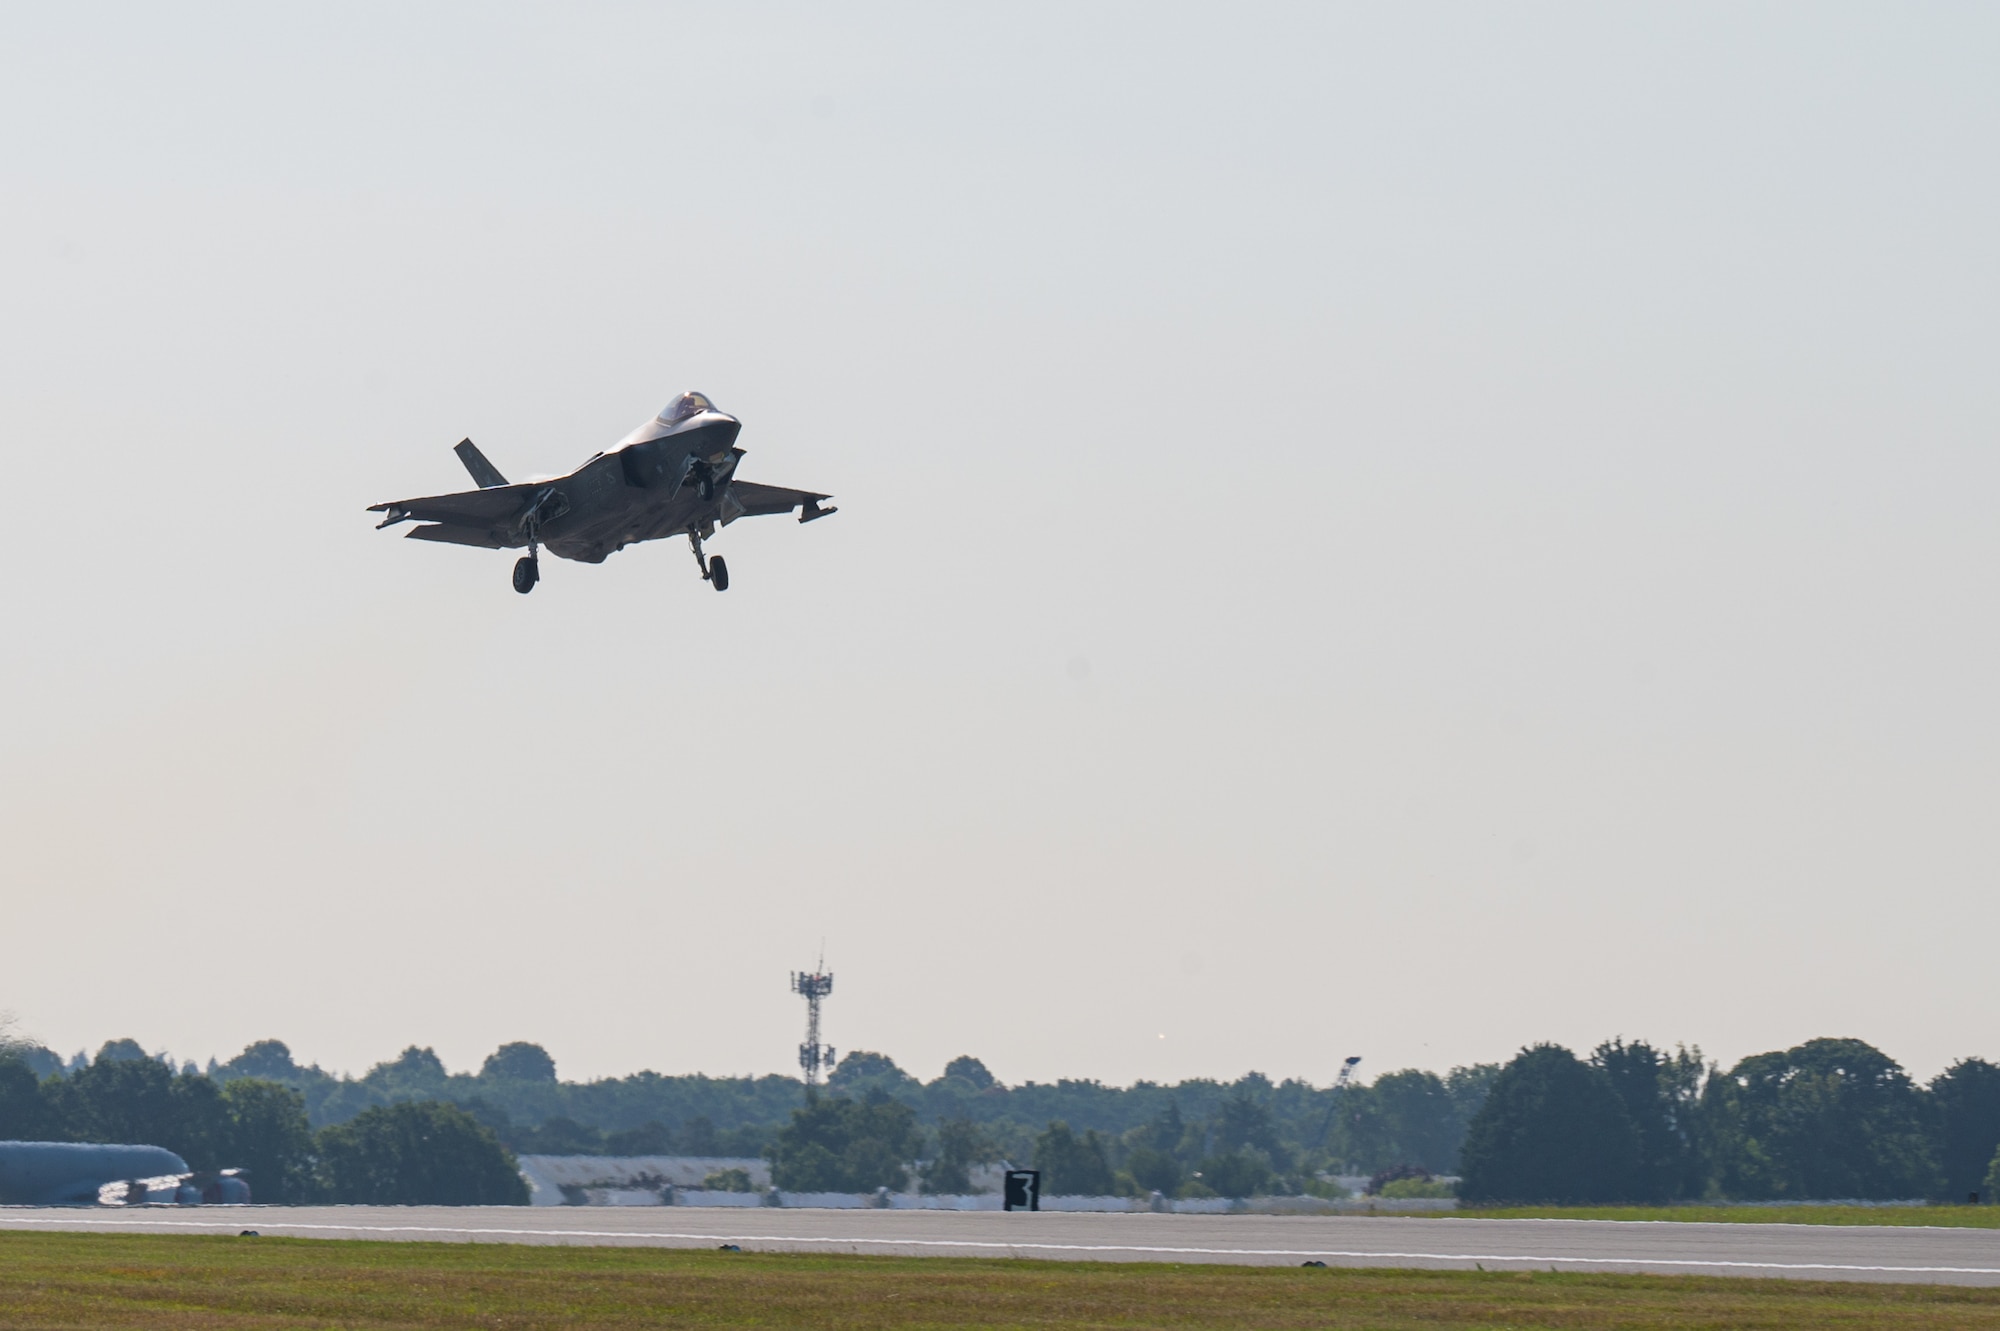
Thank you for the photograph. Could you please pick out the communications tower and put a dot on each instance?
(814, 1057)
(1333, 1101)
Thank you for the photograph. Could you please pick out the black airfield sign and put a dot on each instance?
(1024, 1190)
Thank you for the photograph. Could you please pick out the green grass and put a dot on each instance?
(115, 1281)
(1962, 1217)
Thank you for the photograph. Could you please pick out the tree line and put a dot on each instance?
(1196, 1139)
(408, 1153)
(1628, 1122)
(1410, 1116)
(1827, 1119)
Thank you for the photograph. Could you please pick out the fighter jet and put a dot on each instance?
(673, 476)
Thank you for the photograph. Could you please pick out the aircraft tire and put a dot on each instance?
(526, 574)
(718, 573)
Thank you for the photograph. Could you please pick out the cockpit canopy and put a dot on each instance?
(684, 406)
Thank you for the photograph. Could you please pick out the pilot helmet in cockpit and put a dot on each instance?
(684, 406)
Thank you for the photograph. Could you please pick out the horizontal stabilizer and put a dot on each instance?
(496, 508)
(484, 474)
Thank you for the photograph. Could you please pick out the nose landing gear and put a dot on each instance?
(700, 475)
(713, 571)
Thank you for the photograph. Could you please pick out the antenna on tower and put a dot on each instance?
(814, 1056)
(1333, 1101)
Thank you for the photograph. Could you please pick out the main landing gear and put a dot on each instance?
(528, 568)
(713, 571)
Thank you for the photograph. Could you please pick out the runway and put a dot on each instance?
(1806, 1252)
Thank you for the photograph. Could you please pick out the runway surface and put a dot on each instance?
(1806, 1252)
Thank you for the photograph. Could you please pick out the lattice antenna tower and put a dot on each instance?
(814, 1057)
(1333, 1101)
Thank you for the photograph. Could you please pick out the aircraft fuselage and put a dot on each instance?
(659, 481)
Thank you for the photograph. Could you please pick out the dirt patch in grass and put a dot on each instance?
(114, 1281)
(1959, 1217)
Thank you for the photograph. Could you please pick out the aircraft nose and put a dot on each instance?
(713, 437)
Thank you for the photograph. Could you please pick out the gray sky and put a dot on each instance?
(1401, 530)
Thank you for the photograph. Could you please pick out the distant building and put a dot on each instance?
(683, 1180)
(632, 1180)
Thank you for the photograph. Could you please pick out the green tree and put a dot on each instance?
(418, 1153)
(1244, 1173)
(25, 1112)
(834, 1144)
(1153, 1151)
(267, 1137)
(561, 1135)
(121, 1051)
(1826, 1119)
(1552, 1129)
(41, 1060)
(698, 1136)
(519, 1061)
(268, 1060)
(1166, 1132)
(143, 1102)
(862, 1073)
(970, 1070)
(961, 1145)
(1992, 1180)
(1468, 1088)
(414, 1068)
(650, 1138)
(1244, 1121)
(1967, 1096)
(1154, 1170)
(1405, 1118)
(1662, 1094)
(1073, 1166)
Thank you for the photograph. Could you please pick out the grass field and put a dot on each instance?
(1963, 1217)
(112, 1281)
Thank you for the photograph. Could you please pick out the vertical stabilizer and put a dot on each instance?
(484, 473)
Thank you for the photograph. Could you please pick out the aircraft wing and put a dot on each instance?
(213, 1186)
(747, 499)
(478, 509)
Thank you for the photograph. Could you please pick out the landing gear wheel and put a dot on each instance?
(706, 485)
(713, 571)
(527, 572)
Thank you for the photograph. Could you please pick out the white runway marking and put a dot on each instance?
(1023, 1246)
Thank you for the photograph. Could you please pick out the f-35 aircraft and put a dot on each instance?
(673, 476)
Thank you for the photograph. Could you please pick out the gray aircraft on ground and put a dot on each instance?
(673, 476)
(80, 1174)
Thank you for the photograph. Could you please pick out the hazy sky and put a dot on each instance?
(1397, 530)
